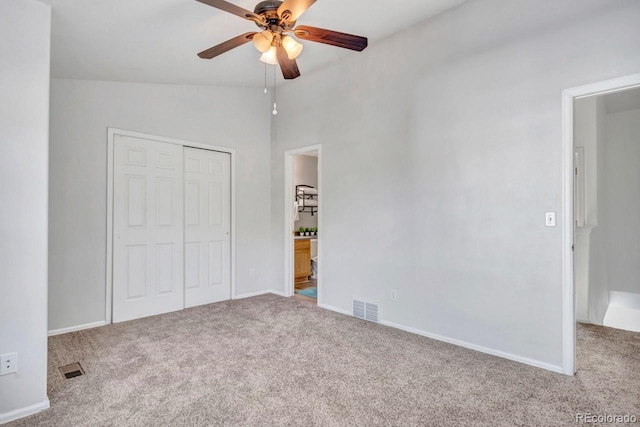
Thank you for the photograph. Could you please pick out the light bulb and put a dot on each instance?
(262, 41)
(270, 56)
(265, 90)
(292, 47)
(275, 109)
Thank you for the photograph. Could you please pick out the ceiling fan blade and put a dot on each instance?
(291, 10)
(226, 46)
(288, 66)
(333, 38)
(231, 8)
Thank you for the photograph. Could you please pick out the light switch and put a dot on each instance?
(550, 219)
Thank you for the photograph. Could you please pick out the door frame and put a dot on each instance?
(289, 189)
(568, 215)
(111, 134)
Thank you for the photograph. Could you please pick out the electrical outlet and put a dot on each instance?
(8, 363)
(394, 295)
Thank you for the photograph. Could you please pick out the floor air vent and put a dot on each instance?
(71, 371)
(366, 310)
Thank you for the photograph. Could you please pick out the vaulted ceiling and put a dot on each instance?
(156, 41)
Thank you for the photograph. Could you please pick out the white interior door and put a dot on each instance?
(148, 227)
(207, 247)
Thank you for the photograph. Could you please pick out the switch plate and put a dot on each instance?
(8, 363)
(550, 219)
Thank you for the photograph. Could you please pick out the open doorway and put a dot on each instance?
(607, 209)
(303, 227)
(601, 208)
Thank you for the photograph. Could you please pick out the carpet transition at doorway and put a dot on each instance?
(273, 361)
(311, 292)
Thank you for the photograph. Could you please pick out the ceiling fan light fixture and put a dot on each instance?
(279, 33)
(270, 56)
(292, 47)
(262, 41)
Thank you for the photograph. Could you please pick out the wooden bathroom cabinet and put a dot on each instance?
(302, 260)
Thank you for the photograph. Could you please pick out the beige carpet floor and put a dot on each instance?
(272, 361)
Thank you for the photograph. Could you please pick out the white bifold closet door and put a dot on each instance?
(148, 228)
(207, 242)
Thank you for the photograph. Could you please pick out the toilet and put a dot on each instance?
(314, 258)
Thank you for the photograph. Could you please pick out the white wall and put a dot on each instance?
(622, 200)
(305, 172)
(24, 134)
(81, 112)
(454, 127)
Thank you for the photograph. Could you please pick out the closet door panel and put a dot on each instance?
(208, 228)
(148, 228)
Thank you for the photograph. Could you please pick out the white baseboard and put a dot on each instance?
(258, 293)
(76, 328)
(279, 293)
(24, 412)
(103, 323)
(504, 355)
(336, 309)
(498, 353)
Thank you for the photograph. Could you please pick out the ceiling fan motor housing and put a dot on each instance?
(266, 6)
(269, 10)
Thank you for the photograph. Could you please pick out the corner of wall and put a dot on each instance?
(23, 306)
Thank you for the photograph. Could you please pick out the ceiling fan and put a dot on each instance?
(277, 19)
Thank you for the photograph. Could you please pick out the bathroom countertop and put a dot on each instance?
(304, 237)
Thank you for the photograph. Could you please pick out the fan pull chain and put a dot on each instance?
(275, 92)
(265, 78)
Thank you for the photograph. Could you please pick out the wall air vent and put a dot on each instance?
(371, 313)
(366, 310)
(358, 309)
